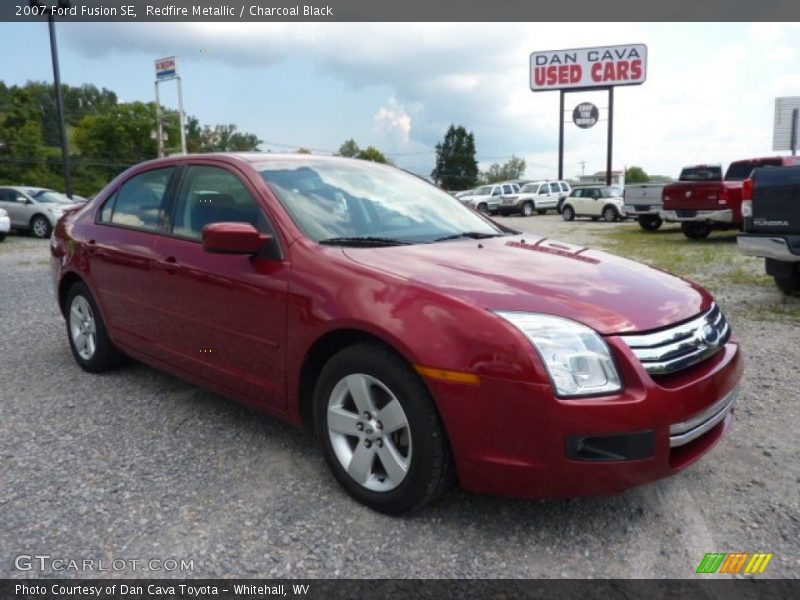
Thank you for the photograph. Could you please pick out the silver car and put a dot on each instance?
(5, 224)
(34, 209)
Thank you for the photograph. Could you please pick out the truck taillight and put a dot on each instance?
(747, 208)
(747, 189)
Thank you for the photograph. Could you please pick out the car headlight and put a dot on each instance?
(577, 358)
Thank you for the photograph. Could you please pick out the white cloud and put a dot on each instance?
(394, 123)
(708, 97)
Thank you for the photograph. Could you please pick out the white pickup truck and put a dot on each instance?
(643, 202)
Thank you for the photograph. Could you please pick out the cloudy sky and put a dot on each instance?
(709, 94)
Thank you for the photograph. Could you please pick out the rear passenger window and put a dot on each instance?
(213, 195)
(138, 203)
(554, 189)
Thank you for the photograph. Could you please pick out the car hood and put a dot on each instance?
(528, 273)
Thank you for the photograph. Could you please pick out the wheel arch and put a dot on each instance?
(320, 352)
(67, 281)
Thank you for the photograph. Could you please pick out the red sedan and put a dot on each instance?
(420, 340)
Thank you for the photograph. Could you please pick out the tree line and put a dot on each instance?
(104, 136)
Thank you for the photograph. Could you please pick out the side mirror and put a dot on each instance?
(233, 238)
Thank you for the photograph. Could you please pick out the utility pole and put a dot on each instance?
(62, 4)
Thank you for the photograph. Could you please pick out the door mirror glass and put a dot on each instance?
(233, 238)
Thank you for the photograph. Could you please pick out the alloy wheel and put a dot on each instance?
(369, 432)
(82, 327)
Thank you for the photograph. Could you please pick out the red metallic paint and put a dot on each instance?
(166, 300)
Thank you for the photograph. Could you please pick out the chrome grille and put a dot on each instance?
(681, 346)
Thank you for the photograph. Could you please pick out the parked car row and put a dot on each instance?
(33, 209)
(524, 198)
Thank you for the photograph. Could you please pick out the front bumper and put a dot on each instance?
(701, 216)
(774, 247)
(517, 439)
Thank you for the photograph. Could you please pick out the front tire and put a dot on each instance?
(86, 330)
(696, 231)
(379, 430)
(650, 222)
(483, 208)
(568, 213)
(40, 227)
(527, 209)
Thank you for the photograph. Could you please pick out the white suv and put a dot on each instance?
(488, 198)
(539, 196)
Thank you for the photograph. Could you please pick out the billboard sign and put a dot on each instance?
(785, 123)
(586, 68)
(166, 68)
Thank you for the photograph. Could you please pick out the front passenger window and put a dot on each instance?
(213, 195)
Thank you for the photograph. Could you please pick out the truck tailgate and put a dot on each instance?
(693, 195)
(776, 201)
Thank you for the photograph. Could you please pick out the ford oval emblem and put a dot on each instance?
(709, 335)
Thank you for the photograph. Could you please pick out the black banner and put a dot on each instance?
(223, 589)
(409, 10)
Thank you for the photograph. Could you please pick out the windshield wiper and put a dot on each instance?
(474, 235)
(364, 241)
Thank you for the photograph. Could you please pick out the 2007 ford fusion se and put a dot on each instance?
(421, 341)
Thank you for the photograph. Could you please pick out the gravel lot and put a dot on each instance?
(136, 464)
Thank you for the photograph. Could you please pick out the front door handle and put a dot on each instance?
(169, 264)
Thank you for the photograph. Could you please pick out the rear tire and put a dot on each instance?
(610, 214)
(568, 213)
(650, 222)
(696, 231)
(2, 236)
(380, 433)
(789, 285)
(88, 338)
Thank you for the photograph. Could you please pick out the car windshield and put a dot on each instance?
(485, 190)
(358, 200)
(529, 188)
(51, 197)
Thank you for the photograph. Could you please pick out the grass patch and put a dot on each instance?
(703, 261)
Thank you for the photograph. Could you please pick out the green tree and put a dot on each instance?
(302, 151)
(513, 169)
(456, 167)
(636, 175)
(373, 154)
(349, 149)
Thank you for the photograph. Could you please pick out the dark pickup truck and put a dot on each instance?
(771, 213)
(701, 205)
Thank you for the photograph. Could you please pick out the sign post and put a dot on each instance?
(588, 69)
(166, 69)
